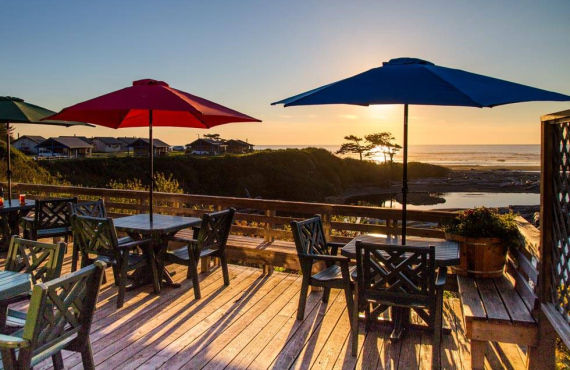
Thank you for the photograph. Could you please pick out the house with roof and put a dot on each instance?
(84, 138)
(106, 144)
(68, 146)
(126, 142)
(205, 146)
(238, 146)
(141, 147)
(27, 144)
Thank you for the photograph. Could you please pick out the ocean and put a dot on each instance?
(454, 155)
(507, 156)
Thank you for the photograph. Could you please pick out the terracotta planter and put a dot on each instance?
(480, 257)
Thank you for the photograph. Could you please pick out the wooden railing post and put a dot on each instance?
(327, 228)
(268, 230)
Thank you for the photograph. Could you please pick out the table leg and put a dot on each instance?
(401, 319)
(165, 277)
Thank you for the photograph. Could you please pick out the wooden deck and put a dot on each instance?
(251, 324)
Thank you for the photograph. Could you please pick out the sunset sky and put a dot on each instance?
(247, 54)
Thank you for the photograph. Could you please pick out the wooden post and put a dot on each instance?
(546, 221)
(327, 228)
(543, 356)
(268, 232)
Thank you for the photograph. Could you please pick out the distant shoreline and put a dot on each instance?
(523, 168)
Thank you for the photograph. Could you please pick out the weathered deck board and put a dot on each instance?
(252, 324)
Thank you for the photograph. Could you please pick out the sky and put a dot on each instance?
(247, 54)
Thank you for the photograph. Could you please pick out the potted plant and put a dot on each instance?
(484, 236)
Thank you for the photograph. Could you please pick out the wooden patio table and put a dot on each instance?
(446, 254)
(13, 284)
(159, 230)
(11, 213)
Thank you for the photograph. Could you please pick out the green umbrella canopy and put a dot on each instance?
(16, 110)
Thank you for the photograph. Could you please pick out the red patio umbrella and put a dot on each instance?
(151, 103)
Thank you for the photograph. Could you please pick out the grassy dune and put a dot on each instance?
(292, 174)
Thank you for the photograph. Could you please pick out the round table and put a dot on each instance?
(446, 252)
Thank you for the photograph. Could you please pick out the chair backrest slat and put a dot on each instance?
(215, 229)
(95, 235)
(93, 209)
(395, 271)
(52, 213)
(309, 237)
(62, 308)
(42, 261)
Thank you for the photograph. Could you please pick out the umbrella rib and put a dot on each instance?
(477, 104)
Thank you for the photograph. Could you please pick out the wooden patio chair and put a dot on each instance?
(210, 241)
(59, 318)
(93, 209)
(96, 239)
(50, 220)
(312, 247)
(41, 260)
(403, 277)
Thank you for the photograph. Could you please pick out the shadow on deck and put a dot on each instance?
(252, 324)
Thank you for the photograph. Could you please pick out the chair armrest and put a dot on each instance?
(27, 220)
(183, 240)
(335, 246)
(326, 258)
(11, 342)
(134, 243)
(441, 277)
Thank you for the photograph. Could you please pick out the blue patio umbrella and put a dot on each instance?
(416, 81)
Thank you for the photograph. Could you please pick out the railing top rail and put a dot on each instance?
(278, 205)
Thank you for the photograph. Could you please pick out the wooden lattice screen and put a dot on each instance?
(554, 280)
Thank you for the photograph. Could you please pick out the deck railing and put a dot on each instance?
(256, 217)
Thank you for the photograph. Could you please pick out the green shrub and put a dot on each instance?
(484, 223)
(292, 174)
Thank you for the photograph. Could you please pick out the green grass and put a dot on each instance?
(292, 174)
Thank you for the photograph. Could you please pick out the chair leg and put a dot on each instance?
(122, 269)
(225, 272)
(193, 272)
(9, 358)
(3, 317)
(87, 357)
(354, 324)
(478, 354)
(437, 331)
(326, 294)
(349, 300)
(74, 257)
(303, 299)
(57, 360)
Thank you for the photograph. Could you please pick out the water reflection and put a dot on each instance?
(453, 200)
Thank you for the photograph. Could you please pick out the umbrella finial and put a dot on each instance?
(149, 81)
(405, 60)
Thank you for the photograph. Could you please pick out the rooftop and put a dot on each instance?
(70, 142)
(108, 140)
(157, 143)
(36, 139)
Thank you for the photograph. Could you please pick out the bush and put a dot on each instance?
(292, 174)
(484, 222)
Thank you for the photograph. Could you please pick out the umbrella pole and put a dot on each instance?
(151, 156)
(405, 176)
(9, 168)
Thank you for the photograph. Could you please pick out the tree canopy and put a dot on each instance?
(366, 146)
